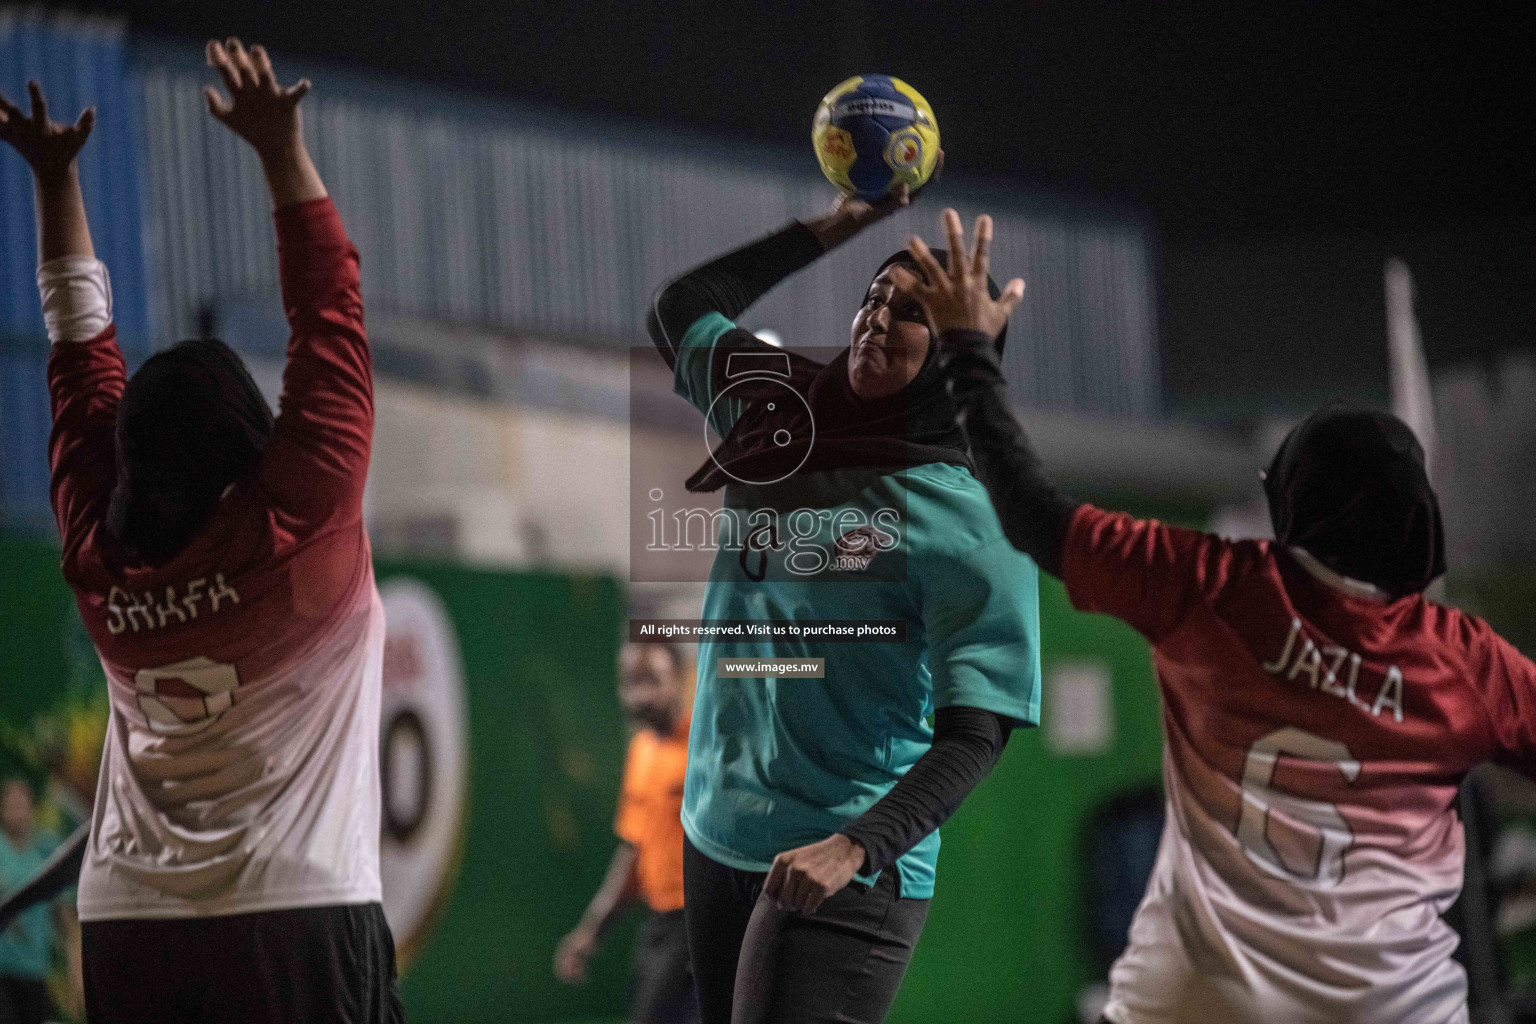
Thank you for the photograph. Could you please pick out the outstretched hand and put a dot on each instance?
(48, 147)
(266, 115)
(259, 110)
(957, 298)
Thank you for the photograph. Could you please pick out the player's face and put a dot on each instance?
(16, 808)
(889, 340)
(650, 686)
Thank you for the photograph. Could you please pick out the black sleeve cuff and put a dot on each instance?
(967, 742)
(801, 242)
(961, 339)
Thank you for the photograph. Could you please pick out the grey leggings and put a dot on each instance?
(756, 964)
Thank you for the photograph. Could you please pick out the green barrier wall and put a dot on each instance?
(546, 743)
(1004, 940)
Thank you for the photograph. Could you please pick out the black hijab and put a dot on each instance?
(1350, 487)
(835, 428)
(191, 423)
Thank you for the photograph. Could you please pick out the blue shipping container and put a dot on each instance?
(81, 62)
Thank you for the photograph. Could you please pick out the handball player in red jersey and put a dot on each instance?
(1319, 713)
(219, 560)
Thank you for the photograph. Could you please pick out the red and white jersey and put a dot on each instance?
(240, 771)
(1315, 741)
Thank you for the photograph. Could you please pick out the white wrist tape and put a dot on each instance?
(77, 298)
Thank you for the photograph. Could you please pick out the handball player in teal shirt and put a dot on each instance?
(811, 805)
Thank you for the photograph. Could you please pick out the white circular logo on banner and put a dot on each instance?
(423, 759)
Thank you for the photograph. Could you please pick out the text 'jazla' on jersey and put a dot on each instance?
(1315, 743)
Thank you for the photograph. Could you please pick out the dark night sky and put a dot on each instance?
(1282, 148)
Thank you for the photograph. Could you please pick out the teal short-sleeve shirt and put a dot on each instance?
(778, 763)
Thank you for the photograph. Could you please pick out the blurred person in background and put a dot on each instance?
(27, 945)
(812, 805)
(1319, 713)
(647, 866)
(220, 563)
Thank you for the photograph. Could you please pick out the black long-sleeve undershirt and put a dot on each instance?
(967, 743)
(1034, 514)
(728, 284)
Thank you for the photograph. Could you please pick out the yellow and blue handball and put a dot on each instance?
(874, 132)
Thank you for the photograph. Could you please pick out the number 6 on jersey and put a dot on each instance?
(1273, 826)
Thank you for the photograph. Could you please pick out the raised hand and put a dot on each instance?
(848, 216)
(48, 147)
(259, 110)
(266, 115)
(957, 298)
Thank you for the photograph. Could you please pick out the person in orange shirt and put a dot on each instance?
(648, 864)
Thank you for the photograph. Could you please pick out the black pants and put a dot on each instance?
(756, 964)
(661, 981)
(315, 964)
(24, 1000)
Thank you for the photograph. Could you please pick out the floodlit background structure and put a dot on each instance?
(1203, 210)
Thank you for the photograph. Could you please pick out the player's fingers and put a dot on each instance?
(981, 258)
(86, 122)
(925, 261)
(905, 280)
(889, 203)
(216, 104)
(39, 104)
(956, 235)
(774, 883)
(8, 110)
(241, 61)
(790, 895)
(263, 67)
(218, 59)
(798, 887)
(297, 92)
(1012, 295)
(812, 897)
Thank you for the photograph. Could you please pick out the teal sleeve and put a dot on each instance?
(694, 375)
(981, 612)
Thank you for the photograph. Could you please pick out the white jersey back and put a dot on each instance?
(241, 766)
(271, 803)
(1315, 740)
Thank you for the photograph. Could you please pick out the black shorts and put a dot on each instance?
(320, 964)
(661, 981)
(756, 963)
